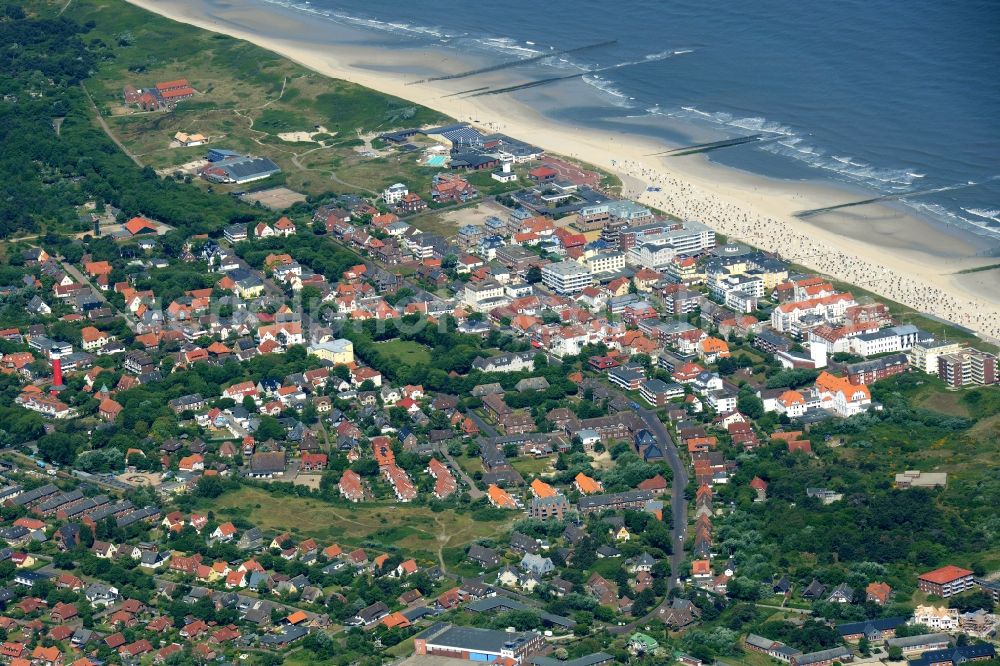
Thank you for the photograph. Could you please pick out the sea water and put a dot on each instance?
(885, 95)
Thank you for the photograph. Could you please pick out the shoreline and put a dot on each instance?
(878, 248)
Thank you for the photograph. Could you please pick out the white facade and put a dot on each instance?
(924, 356)
(686, 238)
(652, 255)
(786, 316)
(933, 617)
(606, 262)
(394, 194)
(477, 293)
(566, 277)
(897, 338)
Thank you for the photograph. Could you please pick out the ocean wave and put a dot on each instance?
(791, 143)
(506, 45)
(616, 96)
(795, 146)
(979, 227)
(365, 22)
(848, 167)
(988, 213)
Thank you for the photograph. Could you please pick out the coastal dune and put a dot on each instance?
(879, 248)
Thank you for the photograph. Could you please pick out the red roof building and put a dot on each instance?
(140, 225)
(946, 581)
(543, 174)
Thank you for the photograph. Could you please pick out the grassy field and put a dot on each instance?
(470, 465)
(532, 466)
(968, 457)
(748, 658)
(245, 97)
(406, 352)
(414, 529)
(433, 223)
(945, 402)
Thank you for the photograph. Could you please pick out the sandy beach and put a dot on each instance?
(878, 248)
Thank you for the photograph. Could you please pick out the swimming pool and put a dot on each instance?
(436, 160)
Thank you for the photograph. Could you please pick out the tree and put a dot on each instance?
(534, 275)
(365, 467)
(59, 447)
(750, 405)
(209, 486)
(269, 428)
(972, 601)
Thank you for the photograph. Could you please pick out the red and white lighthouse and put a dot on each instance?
(57, 378)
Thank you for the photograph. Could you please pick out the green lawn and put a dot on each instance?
(748, 658)
(470, 465)
(532, 466)
(413, 528)
(406, 352)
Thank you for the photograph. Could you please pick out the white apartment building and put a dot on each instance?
(485, 295)
(937, 618)
(652, 255)
(688, 237)
(394, 194)
(566, 277)
(787, 316)
(720, 284)
(894, 339)
(605, 262)
(739, 292)
(924, 355)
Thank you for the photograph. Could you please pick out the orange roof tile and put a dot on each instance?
(945, 574)
(542, 489)
(501, 498)
(587, 485)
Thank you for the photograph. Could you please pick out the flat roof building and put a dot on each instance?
(473, 644)
(967, 367)
(912, 478)
(924, 355)
(566, 277)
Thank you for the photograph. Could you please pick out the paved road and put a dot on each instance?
(678, 502)
(483, 426)
(474, 492)
(801, 611)
(678, 510)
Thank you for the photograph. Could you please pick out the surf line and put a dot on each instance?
(513, 63)
(556, 79)
(714, 145)
(889, 197)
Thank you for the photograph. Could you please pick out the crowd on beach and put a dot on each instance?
(688, 201)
